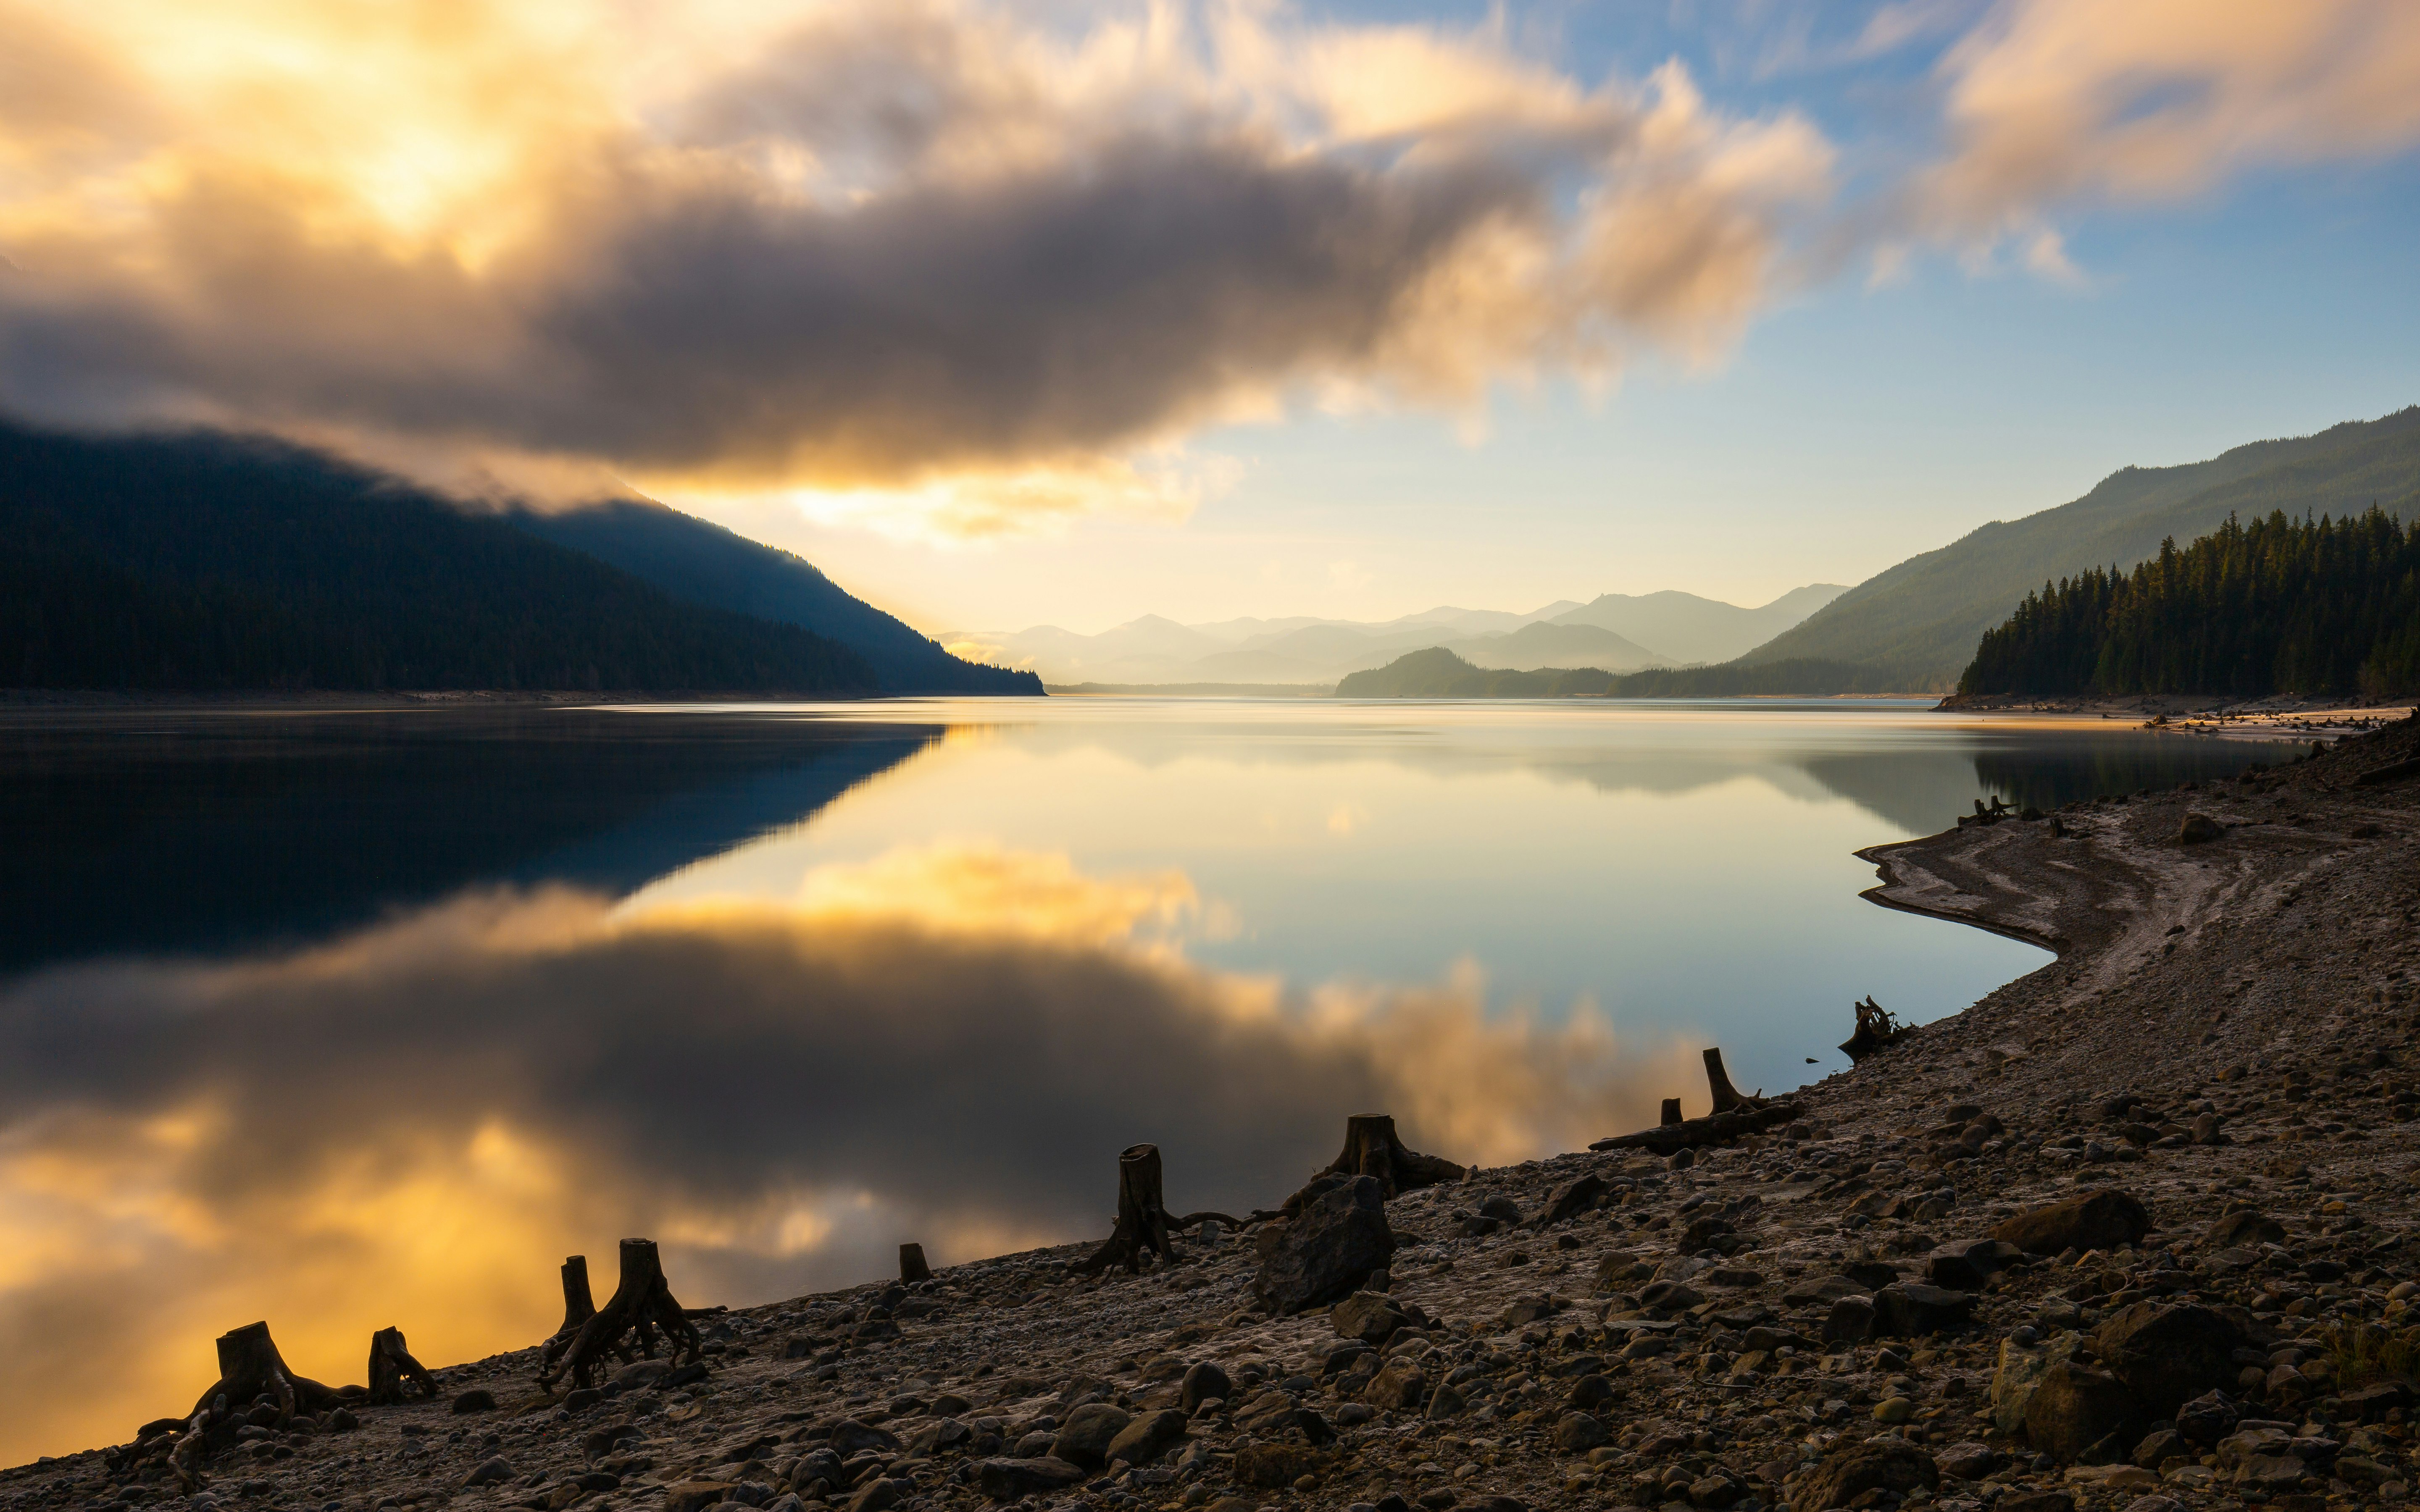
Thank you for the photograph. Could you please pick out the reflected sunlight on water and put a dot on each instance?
(357, 1022)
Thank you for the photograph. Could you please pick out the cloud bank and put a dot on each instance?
(411, 1124)
(975, 267)
(841, 245)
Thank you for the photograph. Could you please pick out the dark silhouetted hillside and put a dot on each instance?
(2278, 606)
(703, 564)
(201, 561)
(1921, 619)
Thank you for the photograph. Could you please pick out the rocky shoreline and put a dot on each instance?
(2135, 1231)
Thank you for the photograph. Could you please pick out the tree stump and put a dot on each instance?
(579, 1306)
(1671, 1112)
(1718, 1081)
(1143, 1223)
(913, 1268)
(1876, 1029)
(1371, 1148)
(250, 1370)
(642, 1306)
(392, 1367)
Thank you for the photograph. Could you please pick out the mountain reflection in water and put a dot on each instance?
(350, 1021)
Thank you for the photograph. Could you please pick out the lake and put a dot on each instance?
(350, 1020)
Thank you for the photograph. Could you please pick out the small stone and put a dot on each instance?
(1399, 1386)
(2244, 1227)
(1273, 1466)
(1368, 1316)
(1893, 1410)
(2198, 830)
(1852, 1318)
(1909, 1310)
(2037, 1502)
(1203, 1382)
(2073, 1408)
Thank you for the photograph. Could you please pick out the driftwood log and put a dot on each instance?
(1876, 1030)
(250, 1373)
(1734, 1114)
(1713, 1128)
(1143, 1222)
(641, 1308)
(913, 1268)
(1372, 1148)
(392, 1368)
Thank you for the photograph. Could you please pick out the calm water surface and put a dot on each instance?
(351, 1020)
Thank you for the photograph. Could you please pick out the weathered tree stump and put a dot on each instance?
(1718, 1081)
(642, 1307)
(1372, 1148)
(250, 1370)
(913, 1268)
(1143, 1222)
(1876, 1030)
(579, 1306)
(1671, 1112)
(392, 1367)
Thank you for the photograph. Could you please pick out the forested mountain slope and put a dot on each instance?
(1921, 619)
(206, 561)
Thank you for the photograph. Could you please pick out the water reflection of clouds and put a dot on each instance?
(410, 1123)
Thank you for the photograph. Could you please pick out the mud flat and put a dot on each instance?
(2135, 1231)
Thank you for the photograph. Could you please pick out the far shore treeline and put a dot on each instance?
(2278, 606)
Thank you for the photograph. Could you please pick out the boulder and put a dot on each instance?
(1577, 1195)
(1852, 1318)
(2073, 1408)
(1669, 1297)
(1398, 1387)
(1085, 1438)
(477, 1400)
(1204, 1383)
(2021, 1369)
(1328, 1248)
(2208, 1418)
(1148, 1437)
(2198, 830)
(1005, 1480)
(1892, 1465)
(1968, 1460)
(2097, 1220)
(1580, 1432)
(1822, 1290)
(488, 1473)
(2037, 1502)
(2167, 1354)
(1702, 1232)
(1275, 1466)
(1909, 1310)
(849, 1436)
(696, 1495)
(2244, 1226)
(1371, 1316)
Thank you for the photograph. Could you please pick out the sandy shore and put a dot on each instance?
(2228, 1030)
(2284, 716)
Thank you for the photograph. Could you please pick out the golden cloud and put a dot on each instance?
(2052, 102)
(918, 256)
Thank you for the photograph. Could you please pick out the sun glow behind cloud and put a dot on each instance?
(928, 261)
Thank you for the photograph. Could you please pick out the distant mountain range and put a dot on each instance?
(1613, 633)
(1920, 620)
(210, 562)
(1438, 673)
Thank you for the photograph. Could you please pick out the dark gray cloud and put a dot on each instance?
(892, 242)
